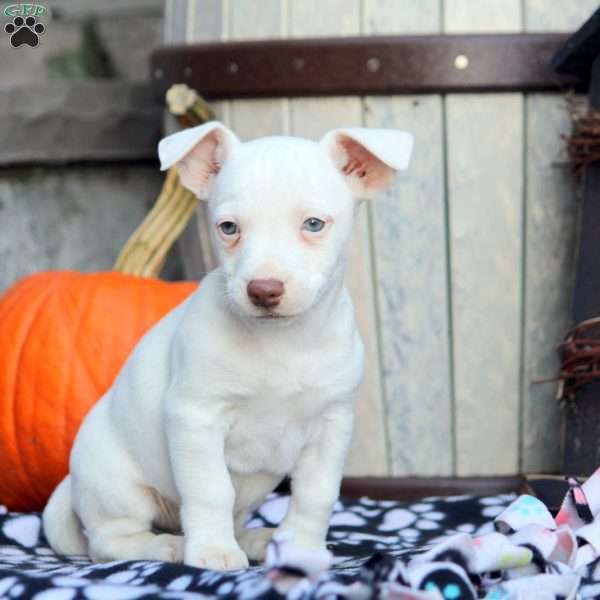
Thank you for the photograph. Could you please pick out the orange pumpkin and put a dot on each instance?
(63, 338)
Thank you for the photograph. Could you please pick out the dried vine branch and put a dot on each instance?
(146, 250)
(583, 145)
(580, 358)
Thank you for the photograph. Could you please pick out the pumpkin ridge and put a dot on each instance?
(10, 432)
(35, 478)
(38, 452)
(74, 351)
(36, 312)
(13, 297)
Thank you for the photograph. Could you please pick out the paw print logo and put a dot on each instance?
(24, 31)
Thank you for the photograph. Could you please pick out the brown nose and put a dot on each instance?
(265, 292)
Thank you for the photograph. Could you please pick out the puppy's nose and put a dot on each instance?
(265, 292)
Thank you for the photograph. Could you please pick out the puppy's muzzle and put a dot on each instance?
(265, 293)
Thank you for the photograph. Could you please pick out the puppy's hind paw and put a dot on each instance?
(215, 558)
(168, 548)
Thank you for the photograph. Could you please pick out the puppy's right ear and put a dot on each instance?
(198, 154)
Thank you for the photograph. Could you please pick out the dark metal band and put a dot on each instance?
(363, 65)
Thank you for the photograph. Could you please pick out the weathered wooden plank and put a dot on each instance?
(409, 241)
(551, 222)
(174, 21)
(551, 219)
(313, 18)
(256, 118)
(410, 17)
(264, 20)
(409, 234)
(486, 212)
(557, 15)
(312, 117)
(485, 155)
(251, 20)
(485, 195)
(207, 20)
(482, 16)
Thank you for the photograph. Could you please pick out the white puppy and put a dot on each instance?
(251, 378)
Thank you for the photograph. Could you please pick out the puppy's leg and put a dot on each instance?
(251, 490)
(196, 438)
(129, 539)
(119, 524)
(316, 479)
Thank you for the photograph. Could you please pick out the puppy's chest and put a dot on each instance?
(278, 405)
(267, 437)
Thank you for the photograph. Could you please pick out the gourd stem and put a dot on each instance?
(146, 250)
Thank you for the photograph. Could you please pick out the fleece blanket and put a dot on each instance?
(461, 547)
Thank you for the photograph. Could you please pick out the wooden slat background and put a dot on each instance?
(462, 273)
(409, 236)
(485, 196)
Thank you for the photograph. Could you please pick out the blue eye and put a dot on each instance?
(313, 225)
(229, 228)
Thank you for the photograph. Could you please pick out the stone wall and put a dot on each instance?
(78, 132)
(73, 217)
(85, 38)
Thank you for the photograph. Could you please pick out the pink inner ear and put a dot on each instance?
(202, 162)
(360, 163)
(208, 153)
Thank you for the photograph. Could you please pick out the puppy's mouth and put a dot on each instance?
(272, 315)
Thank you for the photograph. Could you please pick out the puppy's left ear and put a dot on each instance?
(368, 158)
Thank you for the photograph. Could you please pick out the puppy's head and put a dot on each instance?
(282, 208)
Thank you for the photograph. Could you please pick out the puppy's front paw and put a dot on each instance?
(216, 558)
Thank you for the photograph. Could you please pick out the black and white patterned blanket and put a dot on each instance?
(373, 545)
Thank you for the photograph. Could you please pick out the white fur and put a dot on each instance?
(221, 399)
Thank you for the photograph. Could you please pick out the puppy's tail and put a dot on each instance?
(61, 525)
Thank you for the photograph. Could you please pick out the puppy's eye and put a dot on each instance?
(229, 228)
(313, 224)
